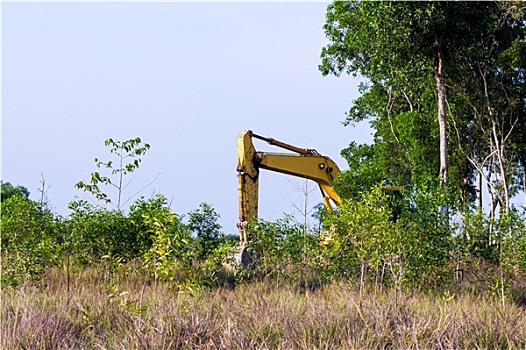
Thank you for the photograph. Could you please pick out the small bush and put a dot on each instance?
(28, 240)
(94, 232)
(283, 249)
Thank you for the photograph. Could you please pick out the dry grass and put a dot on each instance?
(251, 316)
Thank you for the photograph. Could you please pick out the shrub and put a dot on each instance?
(367, 242)
(28, 240)
(203, 222)
(283, 249)
(95, 232)
(170, 248)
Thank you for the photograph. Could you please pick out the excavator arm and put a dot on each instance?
(304, 163)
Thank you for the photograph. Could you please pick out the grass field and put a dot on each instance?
(131, 314)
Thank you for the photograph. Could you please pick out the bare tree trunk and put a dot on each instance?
(499, 145)
(479, 189)
(492, 196)
(441, 90)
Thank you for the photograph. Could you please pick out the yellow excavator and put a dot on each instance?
(303, 162)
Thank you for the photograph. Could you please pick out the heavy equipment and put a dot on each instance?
(302, 162)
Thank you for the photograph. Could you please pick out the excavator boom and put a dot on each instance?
(306, 163)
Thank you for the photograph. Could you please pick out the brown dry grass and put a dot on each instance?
(251, 316)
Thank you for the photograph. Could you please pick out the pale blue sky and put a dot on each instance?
(185, 77)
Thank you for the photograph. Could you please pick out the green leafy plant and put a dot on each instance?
(368, 243)
(282, 249)
(29, 242)
(127, 154)
(170, 248)
(8, 190)
(203, 222)
(122, 300)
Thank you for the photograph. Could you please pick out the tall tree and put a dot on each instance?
(394, 45)
(489, 84)
(418, 57)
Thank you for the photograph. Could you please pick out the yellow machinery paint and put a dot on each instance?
(303, 162)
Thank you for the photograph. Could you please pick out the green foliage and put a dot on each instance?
(364, 173)
(122, 301)
(511, 230)
(500, 240)
(28, 240)
(406, 51)
(382, 238)
(170, 248)
(8, 190)
(203, 222)
(400, 47)
(475, 240)
(215, 269)
(143, 208)
(365, 238)
(127, 154)
(396, 44)
(95, 232)
(283, 249)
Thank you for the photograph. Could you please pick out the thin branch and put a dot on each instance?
(390, 105)
(128, 184)
(142, 189)
(408, 101)
(511, 130)
(479, 167)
